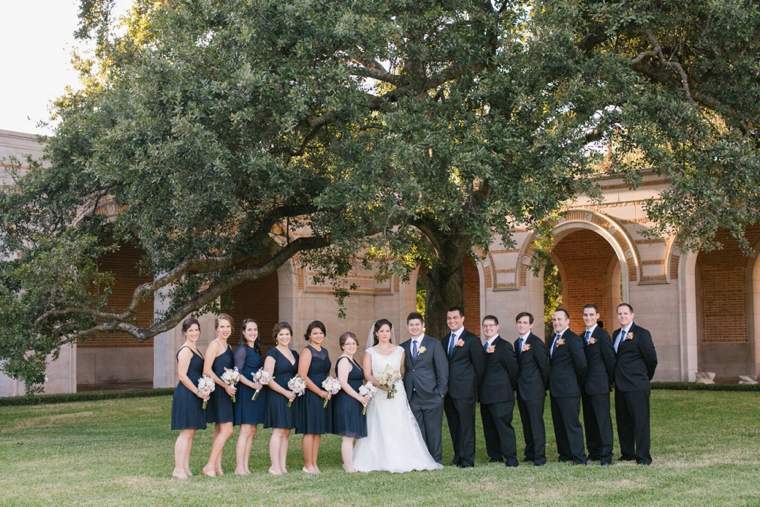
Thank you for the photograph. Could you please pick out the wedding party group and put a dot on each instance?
(389, 409)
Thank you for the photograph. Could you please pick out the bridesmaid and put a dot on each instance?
(187, 404)
(282, 364)
(248, 413)
(348, 420)
(218, 357)
(314, 419)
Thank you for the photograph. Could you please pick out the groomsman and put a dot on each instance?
(636, 362)
(566, 376)
(426, 382)
(600, 357)
(466, 366)
(497, 399)
(532, 383)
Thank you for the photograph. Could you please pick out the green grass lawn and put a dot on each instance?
(705, 445)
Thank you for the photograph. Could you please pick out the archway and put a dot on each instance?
(726, 284)
(258, 300)
(591, 273)
(118, 360)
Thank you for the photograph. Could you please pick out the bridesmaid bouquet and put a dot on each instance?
(367, 391)
(262, 377)
(297, 385)
(206, 386)
(231, 377)
(332, 386)
(388, 379)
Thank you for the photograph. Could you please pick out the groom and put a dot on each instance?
(426, 382)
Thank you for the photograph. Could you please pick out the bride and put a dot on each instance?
(394, 442)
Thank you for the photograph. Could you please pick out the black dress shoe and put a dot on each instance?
(606, 463)
(528, 460)
(626, 458)
(563, 460)
(454, 464)
(494, 460)
(469, 465)
(645, 463)
(539, 463)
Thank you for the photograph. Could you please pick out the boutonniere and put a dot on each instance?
(460, 343)
(491, 349)
(526, 347)
(591, 341)
(422, 350)
(561, 341)
(629, 336)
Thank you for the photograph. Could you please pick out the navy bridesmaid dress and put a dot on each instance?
(187, 408)
(313, 417)
(277, 413)
(247, 411)
(348, 420)
(219, 409)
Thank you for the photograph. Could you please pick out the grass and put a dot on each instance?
(705, 445)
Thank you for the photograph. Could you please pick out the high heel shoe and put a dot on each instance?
(188, 473)
(306, 471)
(272, 472)
(208, 473)
(218, 471)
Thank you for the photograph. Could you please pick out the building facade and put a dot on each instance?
(703, 309)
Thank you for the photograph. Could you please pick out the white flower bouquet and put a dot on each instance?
(367, 391)
(297, 385)
(332, 386)
(261, 377)
(388, 379)
(206, 386)
(231, 378)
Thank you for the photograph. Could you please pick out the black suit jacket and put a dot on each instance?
(500, 378)
(636, 360)
(533, 369)
(429, 373)
(600, 357)
(568, 366)
(466, 366)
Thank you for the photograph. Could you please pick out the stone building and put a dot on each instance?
(700, 307)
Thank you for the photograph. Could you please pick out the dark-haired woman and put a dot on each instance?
(314, 419)
(187, 404)
(282, 364)
(248, 413)
(218, 357)
(348, 420)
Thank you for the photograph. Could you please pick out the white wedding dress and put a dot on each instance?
(393, 442)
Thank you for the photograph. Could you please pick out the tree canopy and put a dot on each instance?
(407, 132)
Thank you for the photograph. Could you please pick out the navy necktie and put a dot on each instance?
(586, 336)
(485, 347)
(554, 345)
(520, 344)
(414, 349)
(452, 341)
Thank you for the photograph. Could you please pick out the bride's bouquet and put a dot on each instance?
(231, 378)
(388, 379)
(206, 386)
(332, 386)
(367, 391)
(261, 377)
(297, 385)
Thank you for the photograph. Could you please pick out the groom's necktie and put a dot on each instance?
(414, 349)
(520, 344)
(452, 341)
(586, 336)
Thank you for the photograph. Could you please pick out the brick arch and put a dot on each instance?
(586, 263)
(725, 288)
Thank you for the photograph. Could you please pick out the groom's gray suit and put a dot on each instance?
(426, 381)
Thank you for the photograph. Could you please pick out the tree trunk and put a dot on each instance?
(444, 283)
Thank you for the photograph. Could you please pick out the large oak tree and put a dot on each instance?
(410, 132)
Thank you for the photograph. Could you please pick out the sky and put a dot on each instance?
(36, 39)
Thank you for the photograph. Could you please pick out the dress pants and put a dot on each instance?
(532, 416)
(598, 424)
(460, 414)
(632, 415)
(568, 430)
(498, 431)
(429, 415)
